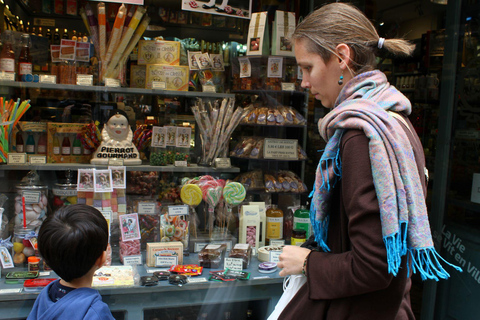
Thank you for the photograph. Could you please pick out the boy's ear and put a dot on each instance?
(101, 260)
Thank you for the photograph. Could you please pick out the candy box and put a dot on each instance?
(164, 77)
(36, 285)
(164, 254)
(249, 225)
(137, 76)
(159, 52)
(283, 28)
(258, 37)
(60, 135)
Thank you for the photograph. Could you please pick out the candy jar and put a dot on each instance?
(31, 198)
(22, 246)
(64, 192)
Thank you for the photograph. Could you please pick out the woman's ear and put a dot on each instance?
(344, 55)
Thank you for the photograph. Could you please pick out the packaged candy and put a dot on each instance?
(242, 251)
(211, 256)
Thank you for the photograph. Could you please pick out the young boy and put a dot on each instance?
(73, 242)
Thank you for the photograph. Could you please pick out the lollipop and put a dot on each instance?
(213, 196)
(191, 194)
(233, 193)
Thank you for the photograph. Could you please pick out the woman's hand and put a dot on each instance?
(291, 260)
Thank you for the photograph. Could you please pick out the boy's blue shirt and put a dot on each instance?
(81, 303)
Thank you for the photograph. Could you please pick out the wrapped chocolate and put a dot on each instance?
(242, 251)
(211, 256)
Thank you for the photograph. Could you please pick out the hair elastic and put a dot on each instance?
(380, 42)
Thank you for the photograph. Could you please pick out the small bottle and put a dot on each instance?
(25, 59)
(66, 147)
(40, 33)
(30, 145)
(85, 38)
(250, 315)
(74, 35)
(301, 220)
(42, 144)
(56, 145)
(65, 34)
(298, 237)
(34, 31)
(19, 142)
(56, 37)
(77, 145)
(48, 35)
(7, 56)
(274, 224)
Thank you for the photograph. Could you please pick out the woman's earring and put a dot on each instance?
(340, 81)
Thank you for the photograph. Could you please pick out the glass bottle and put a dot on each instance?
(30, 146)
(34, 31)
(56, 37)
(301, 220)
(66, 147)
(65, 34)
(77, 145)
(74, 35)
(274, 224)
(25, 59)
(250, 314)
(42, 144)
(48, 35)
(56, 144)
(7, 56)
(19, 142)
(40, 33)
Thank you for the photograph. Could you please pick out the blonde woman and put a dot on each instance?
(368, 210)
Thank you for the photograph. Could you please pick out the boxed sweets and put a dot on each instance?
(283, 28)
(159, 52)
(258, 37)
(64, 145)
(249, 225)
(212, 255)
(138, 74)
(242, 251)
(173, 78)
(164, 254)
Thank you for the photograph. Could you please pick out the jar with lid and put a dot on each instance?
(64, 192)
(33, 263)
(274, 224)
(298, 237)
(31, 196)
(23, 246)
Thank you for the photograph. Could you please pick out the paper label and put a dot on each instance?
(166, 261)
(196, 279)
(115, 162)
(275, 67)
(159, 137)
(38, 159)
(245, 67)
(44, 273)
(181, 164)
(132, 260)
(8, 65)
(280, 149)
(85, 80)
(7, 291)
(159, 85)
(199, 246)
(17, 158)
(233, 263)
(109, 82)
(288, 86)
(181, 210)
(146, 207)
(223, 163)
(273, 256)
(208, 88)
(241, 246)
(31, 196)
(68, 49)
(171, 136)
(48, 78)
(213, 247)
(183, 136)
(8, 76)
(277, 243)
(6, 258)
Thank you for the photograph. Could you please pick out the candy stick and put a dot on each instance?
(85, 19)
(131, 45)
(24, 214)
(130, 14)
(115, 36)
(92, 21)
(102, 30)
(127, 36)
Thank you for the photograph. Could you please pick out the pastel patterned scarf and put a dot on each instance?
(363, 104)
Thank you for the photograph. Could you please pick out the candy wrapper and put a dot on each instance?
(174, 228)
(129, 248)
(141, 183)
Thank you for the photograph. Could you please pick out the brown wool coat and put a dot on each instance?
(352, 281)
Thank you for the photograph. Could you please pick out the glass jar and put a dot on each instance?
(64, 194)
(299, 236)
(22, 247)
(31, 196)
(33, 264)
(274, 224)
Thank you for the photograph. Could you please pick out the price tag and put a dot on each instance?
(44, 22)
(48, 78)
(115, 162)
(181, 210)
(181, 163)
(109, 82)
(166, 261)
(37, 159)
(146, 207)
(159, 85)
(280, 149)
(223, 163)
(85, 80)
(288, 86)
(273, 256)
(44, 273)
(17, 158)
(196, 279)
(199, 246)
(7, 76)
(7, 291)
(277, 243)
(208, 88)
(234, 264)
(262, 277)
(31, 196)
(132, 260)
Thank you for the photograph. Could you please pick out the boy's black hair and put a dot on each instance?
(72, 239)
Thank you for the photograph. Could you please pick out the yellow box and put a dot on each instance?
(137, 76)
(173, 78)
(62, 130)
(159, 52)
(164, 254)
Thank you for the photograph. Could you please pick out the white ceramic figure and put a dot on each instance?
(117, 142)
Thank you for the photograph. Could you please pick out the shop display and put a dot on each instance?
(280, 115)
(281, 181)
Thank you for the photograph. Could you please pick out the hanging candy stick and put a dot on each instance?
(102, 30)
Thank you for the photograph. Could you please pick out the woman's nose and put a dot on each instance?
(305, 84)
